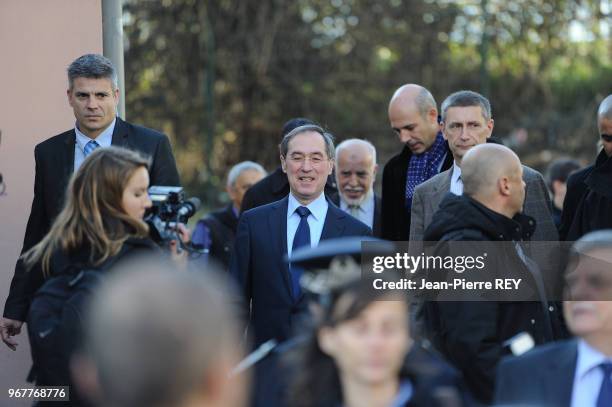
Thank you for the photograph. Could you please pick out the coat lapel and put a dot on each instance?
(120, 134)
(277, 223)
(440, 190)
(66, 157)
(333, 226)
(559, 377)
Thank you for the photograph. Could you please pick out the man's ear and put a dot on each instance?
(504, 186)
(441, 125)
(375, 171)
(490, 126)
(331, 166)
(283, 164)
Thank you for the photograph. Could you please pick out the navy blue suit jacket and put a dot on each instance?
(543, 376)
(259, 266)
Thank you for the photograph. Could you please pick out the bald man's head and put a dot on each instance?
(413, 116)
(604, 124)
(492, 174)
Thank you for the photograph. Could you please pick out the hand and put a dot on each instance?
(177, 254)
(8, 329)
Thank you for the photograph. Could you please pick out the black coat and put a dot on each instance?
(222, 226)
(395, 216)
(275, 187)
(54, 160)
(471, 334)
(588, 201)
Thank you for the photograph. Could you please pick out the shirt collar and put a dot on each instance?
(104, 139)
(588, 358)
(318, 207)
(456, 172)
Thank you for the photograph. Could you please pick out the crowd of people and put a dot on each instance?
(278, 315)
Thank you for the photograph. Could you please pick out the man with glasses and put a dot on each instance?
(588, 201)
(268, 233)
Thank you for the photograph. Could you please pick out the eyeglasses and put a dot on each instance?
(607, 138)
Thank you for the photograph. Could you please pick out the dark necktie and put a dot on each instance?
(301, 238)
(605, 392)
(90, 147)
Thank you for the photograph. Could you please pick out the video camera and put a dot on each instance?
(169, 209)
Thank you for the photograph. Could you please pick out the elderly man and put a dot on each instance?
(471, 334)
(413, 115)
(217, 230)
(574, 373)
(588, 202)
(467, 122)
(355, 175)
(93, 96)
(174, 342)
(268, 233)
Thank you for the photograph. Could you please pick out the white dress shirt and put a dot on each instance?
(588, 376)
(316, 219)
(456, 185)
(365, 212)
(104, 140)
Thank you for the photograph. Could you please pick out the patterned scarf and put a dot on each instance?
(424, 166)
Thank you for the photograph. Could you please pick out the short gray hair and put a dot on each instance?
(605, 108)
(92, 66)
(347, 143)
(328, 138)
(153, 333)
(600, 239)
(466, 98)
(239, 168)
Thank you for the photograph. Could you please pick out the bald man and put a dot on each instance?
(355, 174)
(588, 201)
(413, 115)
(471, 334)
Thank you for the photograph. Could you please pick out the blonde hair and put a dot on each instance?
(93, 215)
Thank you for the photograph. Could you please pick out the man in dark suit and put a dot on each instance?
(576, 373)
(93, 95)
(275, 186)
(268, 233)
(413, 115)
(355, 175)
(588, 201)
(472, 334)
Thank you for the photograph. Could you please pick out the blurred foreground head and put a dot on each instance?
(157, 337)
(588, 305)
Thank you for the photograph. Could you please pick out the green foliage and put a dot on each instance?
(220, 77)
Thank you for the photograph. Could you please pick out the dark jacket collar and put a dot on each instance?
(462, 212)
(599, 179)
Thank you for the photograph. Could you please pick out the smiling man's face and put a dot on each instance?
(307, 166)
